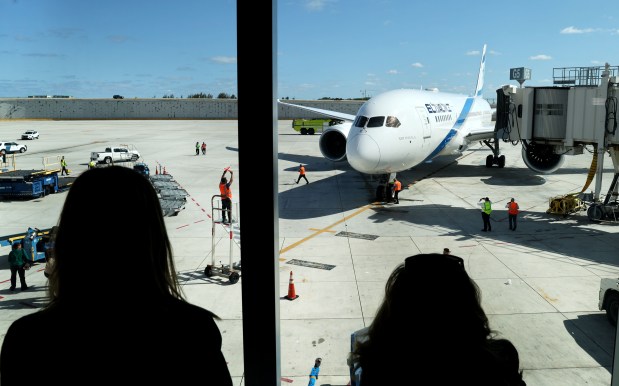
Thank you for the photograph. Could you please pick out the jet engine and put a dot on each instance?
(332, 142)
(541, 158)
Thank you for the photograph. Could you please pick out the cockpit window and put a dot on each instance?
(361, 121)
(376, 121)
(392, 122)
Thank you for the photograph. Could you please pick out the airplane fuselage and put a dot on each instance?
(399, 129)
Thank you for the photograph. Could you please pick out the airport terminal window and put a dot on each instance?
(361, 121)
(376, 121)
(392, 122)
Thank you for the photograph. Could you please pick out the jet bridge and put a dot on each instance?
(579, 113)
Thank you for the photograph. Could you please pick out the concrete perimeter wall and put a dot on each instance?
(166, 108)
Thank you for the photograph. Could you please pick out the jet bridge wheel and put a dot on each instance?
(234, 277)
(595, 212)
(612, 307)
(208, 271)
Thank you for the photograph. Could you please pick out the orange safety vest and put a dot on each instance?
(513, 208)
(225, 191)
(397, 186)
(302, 170)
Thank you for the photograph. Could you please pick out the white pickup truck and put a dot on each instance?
(121, 153)
(609, 298)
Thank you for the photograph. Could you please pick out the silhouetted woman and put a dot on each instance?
(431, 329)
(116, 313)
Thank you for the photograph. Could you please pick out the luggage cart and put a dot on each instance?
(230, 270)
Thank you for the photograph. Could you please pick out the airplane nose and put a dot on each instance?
(363, 153)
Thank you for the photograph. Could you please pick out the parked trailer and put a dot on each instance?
(29, 183)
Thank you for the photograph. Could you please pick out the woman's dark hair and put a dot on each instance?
(431, 311)
(112, 240)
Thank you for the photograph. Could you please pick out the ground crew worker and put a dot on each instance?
(92, 164)
(486, 209)
(302, 174)
(314, 372)
(18, 263)
(226, 196)
(512, 211)
(203, 148)
(197, 148)
(63, 167)
(397, 187)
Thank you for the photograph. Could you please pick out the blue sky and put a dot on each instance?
(325, 48)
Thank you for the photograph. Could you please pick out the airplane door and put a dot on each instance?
(422, 112)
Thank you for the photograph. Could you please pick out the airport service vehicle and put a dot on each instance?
(29, 183)
(12, 147)
(122, 153)
(30, 134)
(312, 126)
(142, 168)
(118, 97)
(609, 298)
(35, 242)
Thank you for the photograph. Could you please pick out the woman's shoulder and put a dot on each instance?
(26, 324)
(182, 307)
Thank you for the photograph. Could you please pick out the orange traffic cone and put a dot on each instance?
(292, 294)
(156, 170)
(164, 172)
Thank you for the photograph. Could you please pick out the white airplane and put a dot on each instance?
(400, 129)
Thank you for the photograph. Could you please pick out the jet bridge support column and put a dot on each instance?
(601, 152)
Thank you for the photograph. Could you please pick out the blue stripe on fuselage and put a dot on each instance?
(454, 130)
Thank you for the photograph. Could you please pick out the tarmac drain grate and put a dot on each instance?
(357, 235)
(310, 264)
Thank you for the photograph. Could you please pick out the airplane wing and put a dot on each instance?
(481, 133)
(328, 113)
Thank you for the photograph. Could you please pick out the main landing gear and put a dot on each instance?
(494, 158)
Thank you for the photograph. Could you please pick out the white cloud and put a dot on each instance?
(472, 53)
(316, 5)
(574, 30)
(392, 72)
(541, 57)
(417, 65)
(224, 59)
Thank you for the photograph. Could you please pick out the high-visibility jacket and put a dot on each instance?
(397, 186)
(302, 170)
(487, 207)
(512, 208)
(63, 163)
(225, 191)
